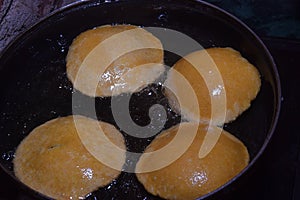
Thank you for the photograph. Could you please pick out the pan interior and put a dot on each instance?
(34, 86)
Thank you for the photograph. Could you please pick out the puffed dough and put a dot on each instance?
(110, 60)
(240, 84)
(53, 161)
(190, 177)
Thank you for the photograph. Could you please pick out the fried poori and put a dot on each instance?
(190, 177)
(240, 83)
(53, 161)
(114, 59)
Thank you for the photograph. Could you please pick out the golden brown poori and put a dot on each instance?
(114, 59)
(240, 85)
(190, 177)
(53, 161)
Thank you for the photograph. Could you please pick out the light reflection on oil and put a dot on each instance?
(199, 178)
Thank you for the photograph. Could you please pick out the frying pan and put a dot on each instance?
(34, 87)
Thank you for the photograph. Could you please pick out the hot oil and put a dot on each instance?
(126, 186)
(43, 92)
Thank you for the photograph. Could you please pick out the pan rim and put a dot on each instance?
(275, 75)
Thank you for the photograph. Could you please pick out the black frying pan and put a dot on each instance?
(34, 87)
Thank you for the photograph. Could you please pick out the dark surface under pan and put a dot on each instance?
(34, 86)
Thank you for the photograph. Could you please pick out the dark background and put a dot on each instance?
(268, 18)
(276, 175)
